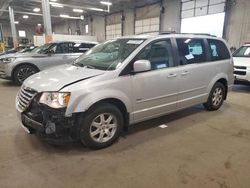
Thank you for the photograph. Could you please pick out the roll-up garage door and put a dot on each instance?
(203, 16)
(147, 19)
(193, 8)
(113, 26)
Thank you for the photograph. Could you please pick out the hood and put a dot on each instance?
(56, 78)
(242, 61)
(16, 55)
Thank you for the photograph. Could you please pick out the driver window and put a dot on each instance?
(159, 54)
(60, 48)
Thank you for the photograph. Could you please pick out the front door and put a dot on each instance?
(155, 92)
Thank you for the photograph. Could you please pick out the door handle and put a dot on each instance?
(171, 75)
(184, 73)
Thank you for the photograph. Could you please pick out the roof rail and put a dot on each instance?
(167, 32)
(174, 32)
(206, 34)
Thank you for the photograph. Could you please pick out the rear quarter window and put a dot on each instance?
(218, 50)
(82, 47)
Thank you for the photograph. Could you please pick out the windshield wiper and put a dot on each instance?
(76, 64)
(82, 65)
(89, 66)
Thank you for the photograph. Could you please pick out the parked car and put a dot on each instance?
(19, 66)
(122, 82)
(242, 64)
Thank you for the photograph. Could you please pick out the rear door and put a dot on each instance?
(155, 92)
(196, 71)
(52, 58)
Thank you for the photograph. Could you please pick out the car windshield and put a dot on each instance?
(243, 51)
(108, 55)
(12, 50)
(42, 49)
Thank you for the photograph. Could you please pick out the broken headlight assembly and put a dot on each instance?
(55, 99)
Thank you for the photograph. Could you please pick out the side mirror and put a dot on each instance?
(142, 66)
(50, 52)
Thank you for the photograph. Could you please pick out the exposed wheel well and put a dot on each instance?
(224, 82)
(120, 105)
(15, 68)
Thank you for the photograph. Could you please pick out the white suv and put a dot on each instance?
(124, 81)
(242, 64)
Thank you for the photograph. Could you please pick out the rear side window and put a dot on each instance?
(82, 47)
(191, 50)
(218, 50)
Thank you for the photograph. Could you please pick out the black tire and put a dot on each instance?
(86, 124)
(26, 71)
(211, 105)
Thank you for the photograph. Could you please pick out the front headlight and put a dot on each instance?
(8, 60)
(55, 99)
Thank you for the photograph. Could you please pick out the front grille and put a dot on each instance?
(240, 73)
(240, 67)
(24, 97)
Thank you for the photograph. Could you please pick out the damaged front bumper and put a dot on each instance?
(51, 124)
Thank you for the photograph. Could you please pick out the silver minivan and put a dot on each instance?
(124, 81)
(19, 66)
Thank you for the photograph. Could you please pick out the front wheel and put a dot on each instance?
(216, 97)
(23, 72)
(101, 126)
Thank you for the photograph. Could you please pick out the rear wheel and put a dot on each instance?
(23, 72)
(101, 126)
(216, 97)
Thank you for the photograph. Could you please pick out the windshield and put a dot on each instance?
(42, 49)
(23, 50)
(108, 55)
(243, 51)
(12, 50)
(29, 49)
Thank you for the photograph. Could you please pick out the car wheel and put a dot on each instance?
(22, 72)
(216, 97)
(101, 126)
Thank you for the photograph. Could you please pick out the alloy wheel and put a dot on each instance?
(24, 73)
(217, 96)
(103, 127)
